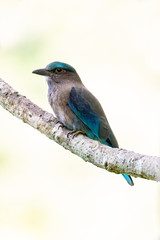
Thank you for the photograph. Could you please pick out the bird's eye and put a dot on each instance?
(59, 70)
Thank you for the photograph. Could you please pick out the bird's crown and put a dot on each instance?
(54, 65)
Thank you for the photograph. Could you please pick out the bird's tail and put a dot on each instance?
(128, 179)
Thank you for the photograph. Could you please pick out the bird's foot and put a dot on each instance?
(60, 125)
(75, 133)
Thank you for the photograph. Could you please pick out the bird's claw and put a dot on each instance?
(75, 133)
(60, 125)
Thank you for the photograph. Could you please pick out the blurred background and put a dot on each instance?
(47, 192)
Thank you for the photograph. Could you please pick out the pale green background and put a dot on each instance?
(46, 192)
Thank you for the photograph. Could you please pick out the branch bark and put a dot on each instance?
(115, 160)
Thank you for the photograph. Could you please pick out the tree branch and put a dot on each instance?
(115, 160)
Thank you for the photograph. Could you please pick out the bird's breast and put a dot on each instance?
(58, 99)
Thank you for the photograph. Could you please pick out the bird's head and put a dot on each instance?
(58, 72)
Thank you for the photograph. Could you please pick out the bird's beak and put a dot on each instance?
(42, 71)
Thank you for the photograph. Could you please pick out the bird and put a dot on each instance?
(75, 106)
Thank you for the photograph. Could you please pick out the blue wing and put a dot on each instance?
(83, 111)
(89, 111)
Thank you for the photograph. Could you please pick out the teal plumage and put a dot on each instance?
(75, 106)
